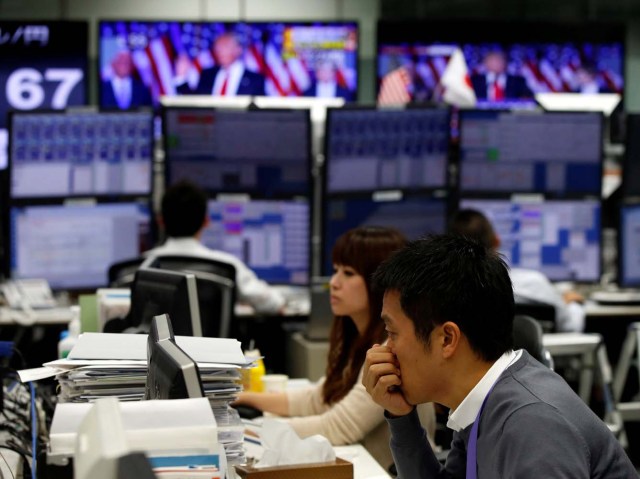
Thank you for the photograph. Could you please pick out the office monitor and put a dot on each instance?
(72, 246)
(44, 67)
(181, 58)
(58, 155)
(559, 154)
(264, 153)
(560, 238)
(532, 58)
(270, 237)
(413, 215)
(172, 374)
(370, 149)
(629, 247)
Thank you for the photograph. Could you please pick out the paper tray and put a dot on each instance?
(340, 469)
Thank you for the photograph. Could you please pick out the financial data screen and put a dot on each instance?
(412, 216)
(629, 254)
(265, 153)
(558, 153)
(369, 149)
(73, 246)
(270, 237)
(558, 238)
(71, 154)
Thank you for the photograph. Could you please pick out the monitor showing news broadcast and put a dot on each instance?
(560, 238)
(81, 153)
(413, 215)
(142, 60)
(530, 152)
(264, 153)
(272, 237)
(372, 149)
(44, 67)
(507, 63)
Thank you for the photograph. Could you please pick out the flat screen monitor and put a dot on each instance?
(413, 215)
(72, 246)
(507, 152)
(508, 62)
(75, 154)
(631, 162)
(171, 374)
(370, 149)
(270, 237)
(158, 58)
(629, 246)
(264, 153)
(560, 238)
(44, 66)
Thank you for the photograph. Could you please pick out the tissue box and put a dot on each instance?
(340, 469)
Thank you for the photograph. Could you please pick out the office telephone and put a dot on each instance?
(28, 294)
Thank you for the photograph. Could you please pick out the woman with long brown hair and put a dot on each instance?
(338, 406)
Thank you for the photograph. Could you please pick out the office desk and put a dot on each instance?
(38, 317)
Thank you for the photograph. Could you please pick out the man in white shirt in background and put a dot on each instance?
(184, 218)
(528, 284)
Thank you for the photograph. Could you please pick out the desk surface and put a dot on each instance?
(594, 310)
(36, 317)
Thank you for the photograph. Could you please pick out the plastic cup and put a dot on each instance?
(275, 383)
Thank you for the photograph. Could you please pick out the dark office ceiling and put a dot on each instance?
(576, 10)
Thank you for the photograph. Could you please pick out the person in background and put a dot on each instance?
(586, 80)
(123, 90)
(448, 309)
(229, 77)
(325, 84)
(495, 83)
(184, 218)
(338, 407)
(528, 284)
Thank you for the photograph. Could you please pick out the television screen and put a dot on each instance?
(271, 237)
(507, 62)
(142, 60)
(507, 152)
(560, 238)
(44, 66)
(72, 246)
(629, 246)
(265, 153)
(372, 149)
(71, 154)
(412, 215)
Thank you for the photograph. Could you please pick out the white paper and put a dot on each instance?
(35, 374)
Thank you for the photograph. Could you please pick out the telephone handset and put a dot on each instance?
(28, 294)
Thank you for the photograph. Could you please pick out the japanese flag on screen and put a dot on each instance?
(456, 82)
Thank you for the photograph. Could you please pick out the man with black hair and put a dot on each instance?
(184, 218)
(528, 284)
(448, 309)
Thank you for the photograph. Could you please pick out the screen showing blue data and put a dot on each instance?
(270, 237)
(556, 153)
(265, 153)
(558, 238)
(412, 216)
(72, 154)
(369, 149)
(72, 247)
(629, 254)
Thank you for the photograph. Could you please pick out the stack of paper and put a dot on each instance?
(102, 364)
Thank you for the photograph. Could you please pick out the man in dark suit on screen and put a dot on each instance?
(495, 83)
(325, 84)
(123, 90)
(228, 78)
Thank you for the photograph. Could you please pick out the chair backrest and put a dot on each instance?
(527, 335)
(543, 313)
(122, 273)
(216, 283)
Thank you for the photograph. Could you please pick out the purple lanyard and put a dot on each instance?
(472, 445)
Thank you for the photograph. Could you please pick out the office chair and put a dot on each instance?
(527, 335)
(122, 273)
(543, 313)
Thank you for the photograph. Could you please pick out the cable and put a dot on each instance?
(8, 466)
(34, 431)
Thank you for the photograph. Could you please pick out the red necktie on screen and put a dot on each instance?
(498, 91)
(223, 90)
